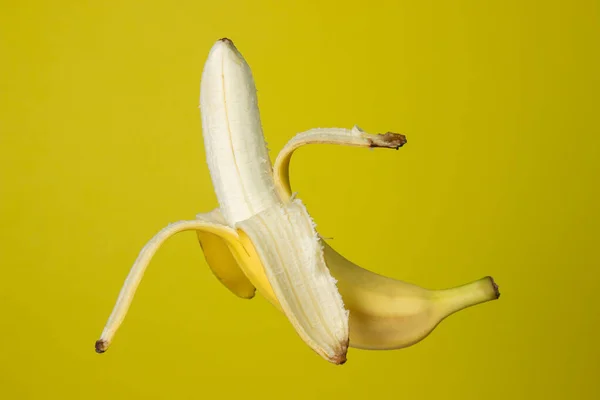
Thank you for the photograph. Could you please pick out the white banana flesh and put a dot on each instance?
(282, 233)
(263, 238)
(236, 154)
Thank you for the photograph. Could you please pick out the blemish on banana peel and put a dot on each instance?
(389, 139)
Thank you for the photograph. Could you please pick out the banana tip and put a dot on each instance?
(390, 140)
(341, 357)
(495, 287)
(101, 346)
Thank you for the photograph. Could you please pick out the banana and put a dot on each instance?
(262, 238)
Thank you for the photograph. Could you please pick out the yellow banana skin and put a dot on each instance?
(221, 260)
(224, 266)
(385, 313)
(388, 314)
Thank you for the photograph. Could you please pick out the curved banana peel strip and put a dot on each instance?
(141, 263)
(354, 137)
(262, 238)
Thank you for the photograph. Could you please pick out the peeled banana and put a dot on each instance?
(262, 237)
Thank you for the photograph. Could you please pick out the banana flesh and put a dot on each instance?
(262, 238)
(281, 233)
(237, 158)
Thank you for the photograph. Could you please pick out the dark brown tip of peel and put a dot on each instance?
(226, 40)
(101, 346)
(390, 140)
(495, 286)
(339, 359)
(342, 356)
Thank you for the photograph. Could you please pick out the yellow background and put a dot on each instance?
(101, 146)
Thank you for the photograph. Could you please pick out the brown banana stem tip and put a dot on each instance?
(390, 140)
(495, 286)
(101, 346)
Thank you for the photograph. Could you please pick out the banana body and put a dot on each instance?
(388, 314)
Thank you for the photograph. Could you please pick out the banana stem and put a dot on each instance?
(468, 295)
